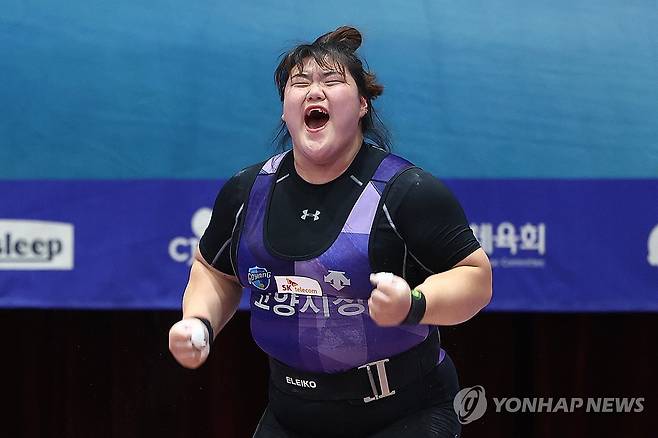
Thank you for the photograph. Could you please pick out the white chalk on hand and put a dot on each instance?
(198, 337)
(383, 277)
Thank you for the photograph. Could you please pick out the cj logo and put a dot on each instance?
(315, 216)
(652, 247)
(181, 249)
(470, 404)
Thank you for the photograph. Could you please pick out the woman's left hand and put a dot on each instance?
(390, 301)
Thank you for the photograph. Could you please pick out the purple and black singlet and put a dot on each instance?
(312, 314)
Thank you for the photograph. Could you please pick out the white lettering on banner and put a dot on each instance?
(287, 304)
(297, 285)
(31, 245)
(516, 241)
(181, 249)
(484, 234)
(652, 247)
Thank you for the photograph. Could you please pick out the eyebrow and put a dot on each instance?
(324, 74)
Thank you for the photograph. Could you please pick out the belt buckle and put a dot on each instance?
(383, 380)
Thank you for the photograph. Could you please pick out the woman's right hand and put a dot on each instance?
(189, 342)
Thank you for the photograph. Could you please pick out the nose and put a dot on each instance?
(315, 92)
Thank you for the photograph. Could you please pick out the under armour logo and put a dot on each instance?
(315, 216)
(337, 279)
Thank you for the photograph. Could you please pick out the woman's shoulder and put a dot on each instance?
(411, 174)
(243, 179)
(244, 176)
(416, 186)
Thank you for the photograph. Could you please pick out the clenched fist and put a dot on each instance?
(189, 342)
(390, 301)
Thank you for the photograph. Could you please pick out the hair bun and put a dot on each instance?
(345, 35)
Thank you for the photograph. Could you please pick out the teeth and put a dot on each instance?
(318, 110)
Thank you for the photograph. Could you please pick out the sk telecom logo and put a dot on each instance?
(29, 245)
(295, 284)
(290, 284)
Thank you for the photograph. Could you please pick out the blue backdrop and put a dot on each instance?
(120, 121)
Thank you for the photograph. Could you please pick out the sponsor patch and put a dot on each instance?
(259, 277)
(290, 284)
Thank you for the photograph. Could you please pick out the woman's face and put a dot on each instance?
(322, 109)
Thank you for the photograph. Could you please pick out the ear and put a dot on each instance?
(364, 107)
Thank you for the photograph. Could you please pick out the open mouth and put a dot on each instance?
(316, 119)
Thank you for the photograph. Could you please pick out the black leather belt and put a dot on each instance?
(369, 382)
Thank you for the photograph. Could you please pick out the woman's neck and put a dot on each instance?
(322, 173)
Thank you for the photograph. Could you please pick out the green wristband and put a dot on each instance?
(417, 309)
